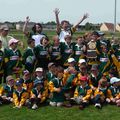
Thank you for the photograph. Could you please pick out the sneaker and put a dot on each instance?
(34, 107)
(98, 105)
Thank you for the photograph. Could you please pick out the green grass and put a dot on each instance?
(53, 113)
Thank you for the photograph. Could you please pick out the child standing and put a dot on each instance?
(29, 56)
(14, 58)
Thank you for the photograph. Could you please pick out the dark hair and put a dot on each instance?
(34, 27)
(60, 69)
(46, 38)
(64, 21)
(30, 40)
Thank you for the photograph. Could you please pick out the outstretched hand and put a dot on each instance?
(56, 11)
(85, 16)
(27, 19)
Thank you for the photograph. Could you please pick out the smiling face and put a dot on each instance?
(38, 28)
(65, 24)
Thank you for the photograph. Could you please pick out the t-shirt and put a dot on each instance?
(5, 41)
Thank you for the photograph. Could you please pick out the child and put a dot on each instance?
(6, 91)
(55, 87)
(29, 56)
(40, 77)
(67, 50)
(55, 51)
(20, 95)
(38, 94)
(105, 60)
(63, 29)
(94, 77)
(114, 91)
(101, 93)
(13, 56)
(51, 69)
(79, 49)
(27, 81)
(83, 92)
(42, 53)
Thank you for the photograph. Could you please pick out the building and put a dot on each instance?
(107, 27)
(118, 27)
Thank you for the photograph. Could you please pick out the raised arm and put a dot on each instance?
(25, 31)
(85, 16)
(56, 11)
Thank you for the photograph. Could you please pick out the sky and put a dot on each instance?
(99, 11)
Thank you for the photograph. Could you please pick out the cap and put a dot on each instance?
(114, 80)
(25, 72)
(83, 78)
(12, 40)
(8, 78)
(82, 61)
(39, 69)
(50, 64)
(94, 67)
(18, 83)
(71, 60)
(4, 27)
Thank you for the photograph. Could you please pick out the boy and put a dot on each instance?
(79, 49)
(20, 95)
(51, 69)
(55, 87)
(83, 92)
(42, 53)
(94, 77)
(38, 94)
(114, 90)
(13, 57)
(67, 50)
(27, 81)
(29, 56)
(101, 93)
(55, 51)
(63, 29)
(6, 91)
(40, 77)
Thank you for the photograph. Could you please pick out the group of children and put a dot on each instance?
(61, 87)
(60, 72)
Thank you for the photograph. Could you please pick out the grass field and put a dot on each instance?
(52, 113)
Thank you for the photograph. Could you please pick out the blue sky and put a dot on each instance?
(42, 10)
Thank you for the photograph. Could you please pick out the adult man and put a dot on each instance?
(4, 35)
(35, 33)
(64, 29)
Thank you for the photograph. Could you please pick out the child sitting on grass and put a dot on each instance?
(20, 95)
(6, 91)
